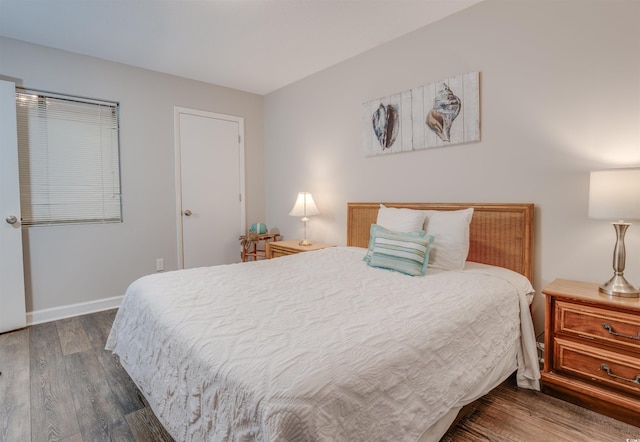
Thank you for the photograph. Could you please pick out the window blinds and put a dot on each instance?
(68, 159)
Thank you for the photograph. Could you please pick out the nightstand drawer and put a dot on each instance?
(276, 249)
(276, 253)
(601, 325)
(604, 367)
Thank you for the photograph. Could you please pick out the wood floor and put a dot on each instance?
(57, 383)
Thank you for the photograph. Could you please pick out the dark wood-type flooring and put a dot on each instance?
(57, 383)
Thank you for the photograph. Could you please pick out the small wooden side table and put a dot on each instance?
(259, 253)
(291, 247)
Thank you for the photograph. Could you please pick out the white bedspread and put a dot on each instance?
(317, 346)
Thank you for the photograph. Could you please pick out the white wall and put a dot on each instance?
(67, 265)
(560, 96)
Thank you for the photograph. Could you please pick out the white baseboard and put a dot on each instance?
(67, 311)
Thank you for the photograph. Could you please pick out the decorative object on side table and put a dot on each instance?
(592, 349)
(304, 207)
(259, 228)
(615, 195)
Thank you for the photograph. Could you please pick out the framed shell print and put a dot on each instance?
(442, 113)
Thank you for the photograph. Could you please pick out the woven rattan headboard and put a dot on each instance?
(500, 234)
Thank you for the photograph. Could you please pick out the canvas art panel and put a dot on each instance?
(441, 113)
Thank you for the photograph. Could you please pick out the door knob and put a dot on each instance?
(187, 212)
(12, 219)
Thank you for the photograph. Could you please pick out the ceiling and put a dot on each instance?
(252, 45)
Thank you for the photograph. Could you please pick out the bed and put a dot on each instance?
(323, 346)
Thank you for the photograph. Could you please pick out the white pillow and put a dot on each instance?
(400, 220)
(451, 231)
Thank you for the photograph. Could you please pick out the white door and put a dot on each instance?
(12, 303)
(210, 187)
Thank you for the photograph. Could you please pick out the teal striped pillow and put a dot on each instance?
(377, 229)
(401, 252)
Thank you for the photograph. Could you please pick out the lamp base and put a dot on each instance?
(305, 243)
(619, 286)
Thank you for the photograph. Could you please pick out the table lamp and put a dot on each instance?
(304, 207)
(615, 195)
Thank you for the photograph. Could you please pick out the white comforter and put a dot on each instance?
(317, 346)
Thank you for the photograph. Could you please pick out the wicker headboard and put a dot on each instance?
(500, 234)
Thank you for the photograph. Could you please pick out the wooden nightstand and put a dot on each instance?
(291, 247)
(592, 349)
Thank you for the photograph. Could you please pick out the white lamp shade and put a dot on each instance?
(615, 194)
(304, 206)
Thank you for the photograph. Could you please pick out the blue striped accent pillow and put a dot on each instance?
(377, 229)
(400, 252)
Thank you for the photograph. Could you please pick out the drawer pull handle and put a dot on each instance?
(608, 328)
(606, 368)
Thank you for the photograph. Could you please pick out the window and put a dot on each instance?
(68, 159)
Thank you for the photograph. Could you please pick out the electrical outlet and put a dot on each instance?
(159, 264)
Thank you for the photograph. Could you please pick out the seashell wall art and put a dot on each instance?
(438, 114)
